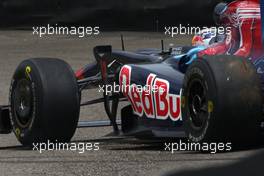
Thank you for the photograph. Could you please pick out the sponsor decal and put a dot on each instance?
(17, 132)
(154, 100)
(27, 72)
(210, 107)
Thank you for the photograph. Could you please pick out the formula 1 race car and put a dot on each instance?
(169, 94)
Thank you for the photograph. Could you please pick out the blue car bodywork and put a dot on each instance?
(171, 71)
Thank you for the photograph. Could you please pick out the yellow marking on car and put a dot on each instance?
(210, 106)
(183, 101)
(17, 132)
(28, 70)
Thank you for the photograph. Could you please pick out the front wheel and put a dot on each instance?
(44, 101)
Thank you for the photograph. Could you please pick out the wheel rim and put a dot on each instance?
(23, 102)
(197, 104)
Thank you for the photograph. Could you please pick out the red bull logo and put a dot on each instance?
(153, 99)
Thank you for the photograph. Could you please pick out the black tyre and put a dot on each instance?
(222, 100)
(44, 101)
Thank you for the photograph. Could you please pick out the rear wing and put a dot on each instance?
(262, 18)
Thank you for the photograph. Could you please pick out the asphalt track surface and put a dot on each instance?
(117, 156)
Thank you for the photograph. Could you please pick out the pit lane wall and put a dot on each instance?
(262, 18)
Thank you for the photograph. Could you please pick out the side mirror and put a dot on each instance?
(100, 51)
(105, 49)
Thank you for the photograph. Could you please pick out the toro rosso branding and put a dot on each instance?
(153, 99)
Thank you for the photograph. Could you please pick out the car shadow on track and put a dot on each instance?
(130, 143)
(153, 144)
(125, 143)
(15, 147)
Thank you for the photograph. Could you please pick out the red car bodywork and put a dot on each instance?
(244, 39)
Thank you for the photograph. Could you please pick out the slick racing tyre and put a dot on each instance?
(222, 100)
(44, 101)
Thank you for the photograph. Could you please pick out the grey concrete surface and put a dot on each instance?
(116, 156)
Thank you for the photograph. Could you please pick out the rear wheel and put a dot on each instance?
(44, 101)
(222, 100)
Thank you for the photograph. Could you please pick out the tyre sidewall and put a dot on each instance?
(199, 70)
(25, 134)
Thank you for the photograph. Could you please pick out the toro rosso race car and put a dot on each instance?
(170, 93)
